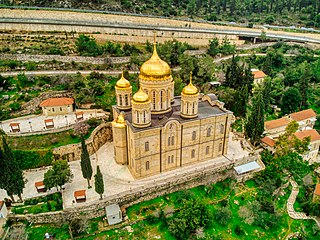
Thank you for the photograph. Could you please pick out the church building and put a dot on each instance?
(155, 131)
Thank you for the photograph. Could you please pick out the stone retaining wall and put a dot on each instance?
(72, 152)
(125, 199)
(32, 105)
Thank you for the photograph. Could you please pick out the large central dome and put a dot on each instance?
(155, 68)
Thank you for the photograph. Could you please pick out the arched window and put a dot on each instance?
(209, 132)
(144, 117)
(207, 150)
(138, 119)
(194, 135)
(147, 165)
(172, 140)
(168, 96)
(221, 128)
(220, 147)
(120, 100)
(169, 142)
(187, 105)
(146, 146)
(154, 100)
(169, 159)
(193, 109)
(193, 153)
(161, 99)
(60, 109)
(126, 100)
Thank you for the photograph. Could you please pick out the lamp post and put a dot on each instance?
(30, 126)
(66, 119)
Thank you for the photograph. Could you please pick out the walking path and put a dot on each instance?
(290, 205)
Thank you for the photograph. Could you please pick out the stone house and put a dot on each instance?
(306, 119)
(258, 76)
(275, 128)
(57, 106)
(157, 131)
(113, 214)
(312, 155)
(3, 210)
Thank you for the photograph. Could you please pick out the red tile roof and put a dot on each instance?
(79, 113)
(308, 133)
(14, 124)
(258, 74)
(79, 193)
(317, 190)
(39, 184)
(269, 141)
(1, 204)
(53, 102)
(302, 115)
(281, 122)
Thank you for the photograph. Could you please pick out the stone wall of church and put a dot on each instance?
(156, 150)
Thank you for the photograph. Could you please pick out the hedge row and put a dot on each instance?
(33, 158)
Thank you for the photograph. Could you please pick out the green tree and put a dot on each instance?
(213, 49)
(288, 142)
(192, 215)
(191, 8)
(85, 162)
(223, 215)
(291, 100)
(87, 46)
(98, 182)
(11, 179)
(58, 175)
(255, 123)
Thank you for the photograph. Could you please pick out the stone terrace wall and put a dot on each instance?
(72, 152)
(200, 176)
(32, 105)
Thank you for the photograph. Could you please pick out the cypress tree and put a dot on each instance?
(255, 122)
(10, 170)
(86, 167)
(98, 183)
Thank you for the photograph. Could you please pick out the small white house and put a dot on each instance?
(114, 214)
(3, 210)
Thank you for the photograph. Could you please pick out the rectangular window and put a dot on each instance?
(220, 147)
(52, 109)
(193, 153)
(169, 142)
(221, 128)
(207, 150)
(169, 160)
(147, 165)
(194, 135)
(146, 146)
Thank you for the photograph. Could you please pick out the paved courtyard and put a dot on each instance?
(36, 123)
(117, 178)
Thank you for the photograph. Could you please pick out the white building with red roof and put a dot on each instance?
(258, 76)
(57, 106)
(312, 155)
(306, 119)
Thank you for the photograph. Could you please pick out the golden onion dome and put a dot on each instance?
(119, 121)
(155, 66)
(140, 97)
(123, 83)
(190, 89)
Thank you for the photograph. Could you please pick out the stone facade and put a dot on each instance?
(72, 152)
(57, 110)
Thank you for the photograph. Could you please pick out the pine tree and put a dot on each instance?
(98, 182)
(86, 167)
(14, 183)
(255, 122)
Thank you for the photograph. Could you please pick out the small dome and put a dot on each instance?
(190, 89)
(140, 97)
(155, 66)
(123, 83)
(119, 122)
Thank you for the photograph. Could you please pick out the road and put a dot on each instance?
(139, 27)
